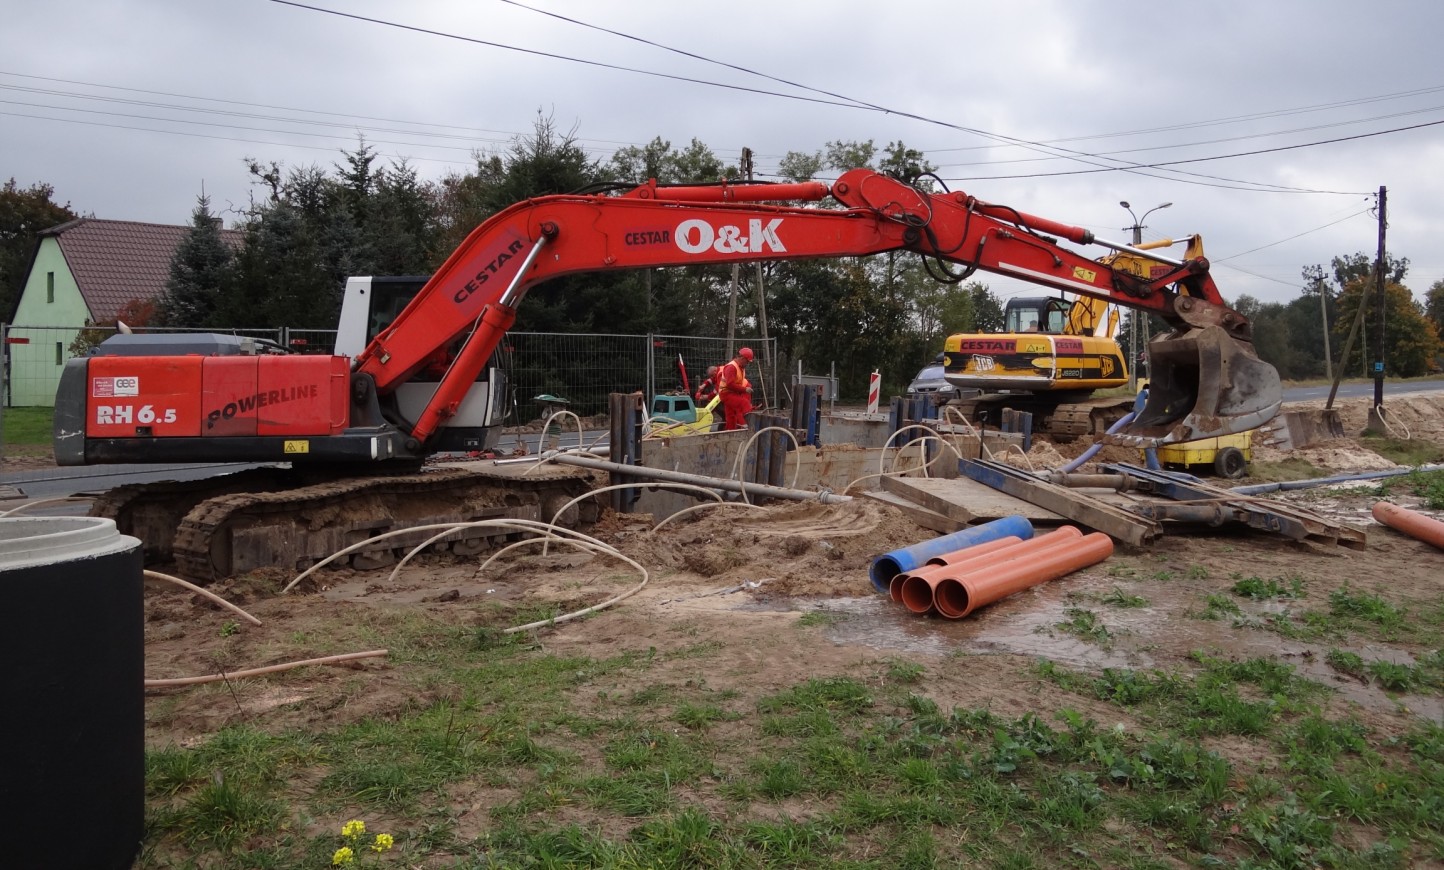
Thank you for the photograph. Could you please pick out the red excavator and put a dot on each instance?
(327, 415)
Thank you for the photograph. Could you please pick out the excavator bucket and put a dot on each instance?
(1202, 384)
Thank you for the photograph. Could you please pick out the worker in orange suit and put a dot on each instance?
(708, 388)
(735, 390)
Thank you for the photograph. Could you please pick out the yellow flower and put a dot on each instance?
(353, 829)
(383, 842)
(343, 856)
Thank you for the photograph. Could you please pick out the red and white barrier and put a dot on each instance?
(874, 388)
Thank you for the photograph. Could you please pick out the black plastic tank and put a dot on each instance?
(73, 732)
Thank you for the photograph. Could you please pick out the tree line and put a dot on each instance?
(308, 228)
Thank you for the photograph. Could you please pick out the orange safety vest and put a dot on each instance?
(732, 379)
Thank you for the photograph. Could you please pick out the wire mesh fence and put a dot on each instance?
(581, 368)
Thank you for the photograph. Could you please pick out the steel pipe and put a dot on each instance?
(957, 598)
(889, 565)
(1411, 523)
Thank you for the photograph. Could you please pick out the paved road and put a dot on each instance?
(54, 482)
(1356, 390)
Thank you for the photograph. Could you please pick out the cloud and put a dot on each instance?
(1091, 77)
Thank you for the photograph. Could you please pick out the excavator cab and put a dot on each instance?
(1036, 314)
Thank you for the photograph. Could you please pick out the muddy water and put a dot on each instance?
(1162, 634)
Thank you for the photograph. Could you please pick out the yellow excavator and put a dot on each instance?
(1054, 352)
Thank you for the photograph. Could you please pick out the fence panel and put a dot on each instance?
(585, 368)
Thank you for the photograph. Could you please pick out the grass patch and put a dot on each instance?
(1086, 625)
(634, 761)
(1118, 598)
(1401, 452)
(1292, 468)
(820, 617)
(27, 431)
(1275, 587)
(1428, 485)
(1216, 607)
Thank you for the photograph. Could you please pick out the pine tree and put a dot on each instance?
(200, 272)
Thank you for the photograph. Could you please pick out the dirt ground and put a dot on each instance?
(732, 578)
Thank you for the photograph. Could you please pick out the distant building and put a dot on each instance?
(84, 271)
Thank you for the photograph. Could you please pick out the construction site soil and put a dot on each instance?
(733, 576)
(734, 580)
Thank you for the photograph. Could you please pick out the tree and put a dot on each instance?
(200, 273)
(1411, 340)
(1434, 306)
(23, 214)
(987, 309)
(797, 166)
(135, 313)
(402, 227)
(658, 159)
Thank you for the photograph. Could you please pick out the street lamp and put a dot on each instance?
(1138, 222)
(1133, 318)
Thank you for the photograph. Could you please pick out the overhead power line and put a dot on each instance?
(1079, 156)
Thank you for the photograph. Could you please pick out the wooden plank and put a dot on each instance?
(922, 516)
(1082, 509)
(966, 500)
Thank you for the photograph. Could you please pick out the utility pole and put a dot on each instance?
(767, 360)
(1378, 410)
(1137, 229)
(1324, 310)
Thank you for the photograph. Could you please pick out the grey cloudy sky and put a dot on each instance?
(128, 107)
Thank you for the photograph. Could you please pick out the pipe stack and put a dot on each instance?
(887, 566)
(956, 583)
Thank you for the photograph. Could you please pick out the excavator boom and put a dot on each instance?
(479, 287)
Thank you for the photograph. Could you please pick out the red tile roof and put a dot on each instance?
(114, 262)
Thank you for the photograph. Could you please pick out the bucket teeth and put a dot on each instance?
(1203, 384)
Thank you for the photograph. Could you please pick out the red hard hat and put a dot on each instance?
(745, 353)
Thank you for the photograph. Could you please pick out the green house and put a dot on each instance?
(85, 271)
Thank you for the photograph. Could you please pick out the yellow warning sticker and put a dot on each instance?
(296, 447)
(1083, 274)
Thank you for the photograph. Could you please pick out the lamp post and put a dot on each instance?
(1137, 229)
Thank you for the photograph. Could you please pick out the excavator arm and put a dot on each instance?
(1207, 379)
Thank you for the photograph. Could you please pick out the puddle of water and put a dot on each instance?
(1026, 624)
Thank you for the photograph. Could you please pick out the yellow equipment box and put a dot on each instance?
(1227, 455)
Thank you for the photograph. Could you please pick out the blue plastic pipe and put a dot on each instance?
(1150, 455)
(1288, 485)
(889, 565)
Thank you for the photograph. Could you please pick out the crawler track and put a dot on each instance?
(1061, 421)
(249, 523)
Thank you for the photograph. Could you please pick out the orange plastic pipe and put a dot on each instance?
(918, 592)
(965, 554)
(956, 598)
(1411, 523)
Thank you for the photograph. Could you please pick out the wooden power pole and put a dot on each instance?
(1378, 409)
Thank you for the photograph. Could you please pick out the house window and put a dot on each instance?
(49, 286)
(60, 353)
